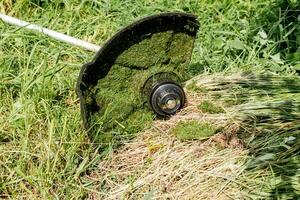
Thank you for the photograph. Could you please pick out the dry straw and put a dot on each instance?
(157, 165)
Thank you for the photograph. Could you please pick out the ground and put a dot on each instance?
(158, 165)
(175, 158)
(46, 154)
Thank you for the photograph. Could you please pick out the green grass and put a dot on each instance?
(209, 107)
(192, 87)
(44, 151)
(193, 130)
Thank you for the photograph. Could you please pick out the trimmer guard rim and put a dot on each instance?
(87, 78)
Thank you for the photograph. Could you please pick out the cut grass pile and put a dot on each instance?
(261, 145)
(267, 110)
(46, 154)
(158, 165)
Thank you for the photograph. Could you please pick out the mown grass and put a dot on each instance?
(44, 151)
(267, 113)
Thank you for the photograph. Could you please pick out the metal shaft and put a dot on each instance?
(50, 33)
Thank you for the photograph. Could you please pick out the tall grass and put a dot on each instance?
(44, 152)
(267, 109)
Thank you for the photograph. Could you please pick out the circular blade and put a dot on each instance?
(110, 87)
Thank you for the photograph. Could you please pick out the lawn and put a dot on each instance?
(44, 151)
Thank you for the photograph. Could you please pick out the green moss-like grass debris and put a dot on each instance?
(118, 95)
(193, 130)
(209, 107)
(146, 53)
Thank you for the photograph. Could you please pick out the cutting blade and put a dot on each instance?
(111, 88)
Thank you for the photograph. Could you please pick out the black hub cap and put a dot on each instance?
(167, 98)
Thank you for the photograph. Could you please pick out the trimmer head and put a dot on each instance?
(141, 67)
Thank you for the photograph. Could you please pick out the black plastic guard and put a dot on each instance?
(111, 52)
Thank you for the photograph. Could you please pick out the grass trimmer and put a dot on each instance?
(135, 74)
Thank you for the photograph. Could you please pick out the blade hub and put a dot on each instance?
(167, 98)
(171, 103)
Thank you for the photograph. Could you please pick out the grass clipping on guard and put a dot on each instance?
(226, 144)
(124, 110)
